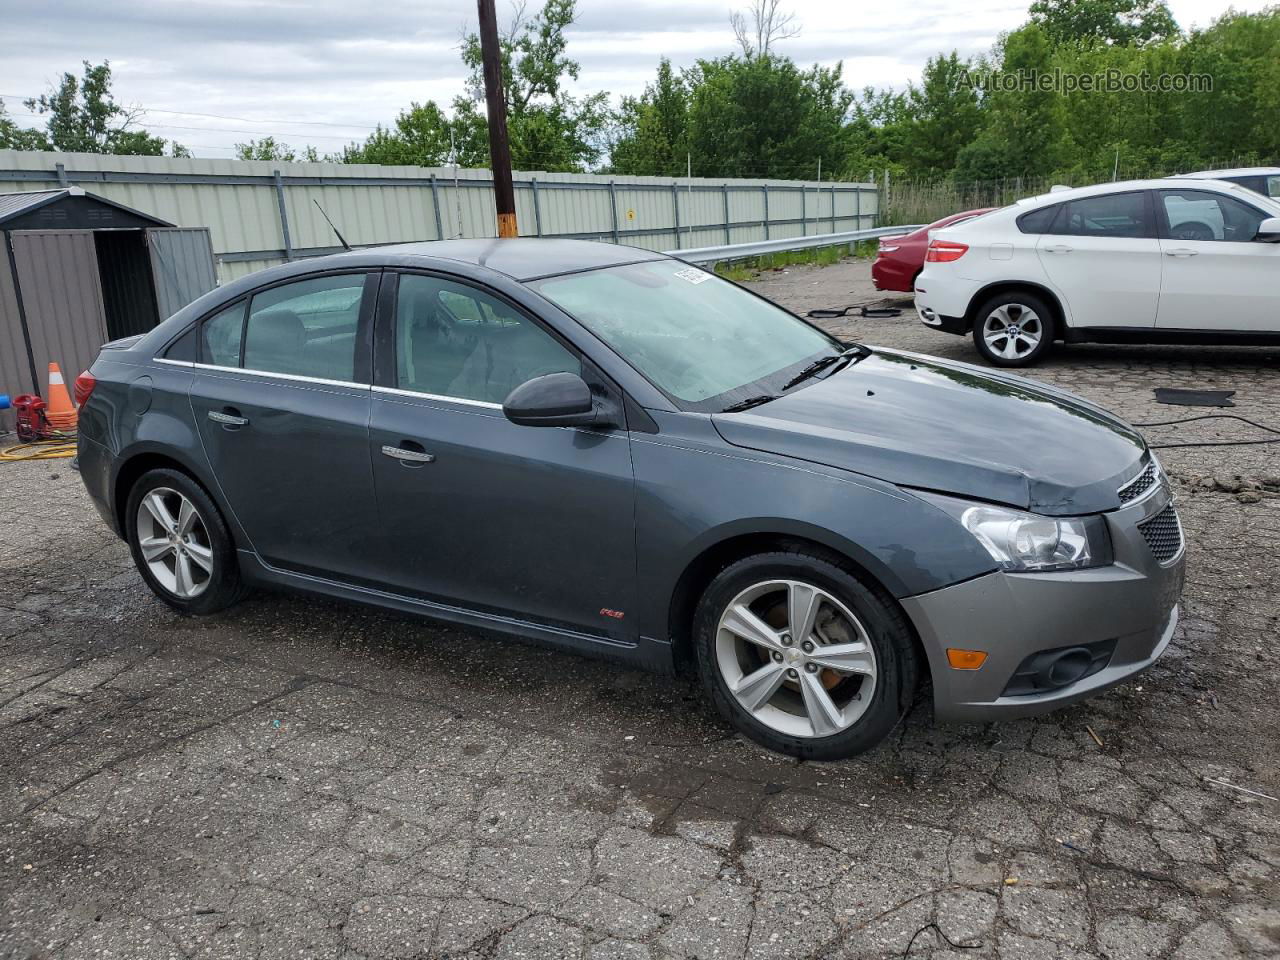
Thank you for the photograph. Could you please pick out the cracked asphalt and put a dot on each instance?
(304, 779)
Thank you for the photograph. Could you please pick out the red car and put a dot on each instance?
(901, 257)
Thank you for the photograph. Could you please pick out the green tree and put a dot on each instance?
(1025, 131)
(653, 138)
(85, 118)
(1122, 22)
(269, 148)
(14, 137)
(765, 117)
(945, 114)
(548, 128)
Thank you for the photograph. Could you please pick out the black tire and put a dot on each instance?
(222, 587)
(1019, 307)
(886, 627)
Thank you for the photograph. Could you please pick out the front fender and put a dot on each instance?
(722, 492)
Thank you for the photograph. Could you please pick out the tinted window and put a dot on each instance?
(691, 333)
(1273, 187)
(184, 348)
(453, 340)
(1111, 215)
(1201, 215)
(1038, 221)
(220, 336)
(307, 328)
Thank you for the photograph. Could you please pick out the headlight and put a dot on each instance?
(1027, 542)
(888, 248)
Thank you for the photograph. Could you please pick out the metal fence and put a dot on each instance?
(261, 212)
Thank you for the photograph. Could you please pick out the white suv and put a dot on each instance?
(1263, 180)
(1144, 261)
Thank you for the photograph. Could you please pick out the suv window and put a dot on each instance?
(453, 340)
(1110, 215)
(306, 328)
(1202, 215)
(220, 336)
(1038, 221)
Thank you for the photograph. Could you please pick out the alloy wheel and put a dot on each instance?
(1012, 331)
(796, 658)
(174, 543)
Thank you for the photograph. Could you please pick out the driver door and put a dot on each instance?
(535, 523)
(1216, 276)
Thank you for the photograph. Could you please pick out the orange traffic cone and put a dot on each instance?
(60, 413)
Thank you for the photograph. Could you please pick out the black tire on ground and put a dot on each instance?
(224, 587)
(886, 626)
(1019, 308)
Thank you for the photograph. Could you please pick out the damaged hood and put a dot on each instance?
(951, 427)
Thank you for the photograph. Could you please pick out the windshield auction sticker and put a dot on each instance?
(692, 275)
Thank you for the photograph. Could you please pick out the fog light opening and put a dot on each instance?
(1067, 667)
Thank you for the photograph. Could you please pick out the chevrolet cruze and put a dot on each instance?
(613, 452)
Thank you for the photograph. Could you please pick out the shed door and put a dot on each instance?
(182, 266)
(62, 296)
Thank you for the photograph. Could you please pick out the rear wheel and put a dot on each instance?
(1013, 329)
(802, 656)
(181, 544)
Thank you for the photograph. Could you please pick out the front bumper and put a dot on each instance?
(1132, 603)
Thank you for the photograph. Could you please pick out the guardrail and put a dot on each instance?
(741, 251)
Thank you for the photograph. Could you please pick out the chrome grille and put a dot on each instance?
(1163, 534)
(1139, 485)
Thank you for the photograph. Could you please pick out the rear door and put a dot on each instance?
(531, 522)
(1216, 276)
(281, 399)
(1102, 255)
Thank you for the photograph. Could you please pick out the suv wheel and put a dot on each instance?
(181, 544)
(803, 657)
(1013, 329)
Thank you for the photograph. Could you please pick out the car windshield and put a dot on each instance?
(702, 340)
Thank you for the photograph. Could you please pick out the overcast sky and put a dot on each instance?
(325, 71)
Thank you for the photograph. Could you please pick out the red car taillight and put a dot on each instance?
(83, 387)
(942, 251)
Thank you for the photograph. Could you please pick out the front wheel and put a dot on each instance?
(1013, 330)
(803, 657)
(181, 544)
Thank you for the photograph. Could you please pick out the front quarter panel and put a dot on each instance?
(694, 491)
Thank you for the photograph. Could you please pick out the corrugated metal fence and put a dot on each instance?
(261, 212)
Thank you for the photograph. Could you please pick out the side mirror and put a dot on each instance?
(554, 400)
(1268, 231)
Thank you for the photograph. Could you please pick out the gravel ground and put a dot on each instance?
(298, 778)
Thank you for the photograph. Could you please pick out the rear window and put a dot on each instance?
(1114, 215)
(1038, 221)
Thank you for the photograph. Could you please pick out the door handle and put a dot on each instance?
(1181, 252)
(1058, 248)
(406, 456)
(228, 419)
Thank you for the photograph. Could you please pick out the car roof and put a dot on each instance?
(1236, 172)
(1123, 186)
(521, 258)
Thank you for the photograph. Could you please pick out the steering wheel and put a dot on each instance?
(1192, 230)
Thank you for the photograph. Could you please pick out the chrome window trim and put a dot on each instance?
(294, 377)
(418, 394)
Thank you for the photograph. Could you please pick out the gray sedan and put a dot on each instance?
(613, 452)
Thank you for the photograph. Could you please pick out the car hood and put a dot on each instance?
(922, 422)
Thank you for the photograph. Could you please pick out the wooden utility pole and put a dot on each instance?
(504, 193)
